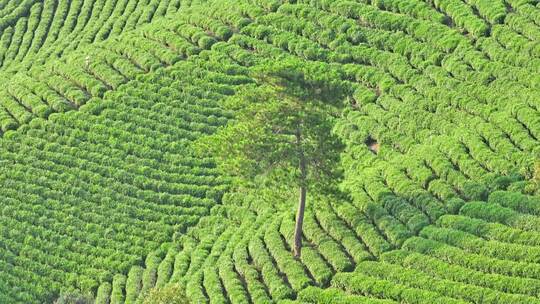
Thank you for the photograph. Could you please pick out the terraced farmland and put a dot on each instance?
(102, 193)
(37, 30)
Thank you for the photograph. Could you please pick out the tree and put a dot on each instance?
(282, 130)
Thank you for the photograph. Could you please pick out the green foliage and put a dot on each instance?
(169, 294)
(102, 100)
(536, 176)
(74, 298)
(275, 120)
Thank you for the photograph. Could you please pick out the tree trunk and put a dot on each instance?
(299, 221)
(301, 200)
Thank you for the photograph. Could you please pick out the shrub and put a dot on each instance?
(170, 294)
(536, 176)
(74, 297)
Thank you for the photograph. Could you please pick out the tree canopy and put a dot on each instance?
(287, 100)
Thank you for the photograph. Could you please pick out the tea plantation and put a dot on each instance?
(103, 194)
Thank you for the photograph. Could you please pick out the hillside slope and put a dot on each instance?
(100, 186)
(91, 192)
(37, 31)
(62, 63)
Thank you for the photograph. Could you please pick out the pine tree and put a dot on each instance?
(282, 129)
